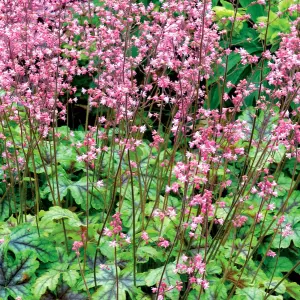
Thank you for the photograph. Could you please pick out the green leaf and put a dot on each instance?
(213, 268)
(222, 12)
(293, 289)
(106, 292)
(284, 242)
(296, 235)
(233, 60)
(63, 184)
(279, 154)
(291, 165)
(251, 293)
(285, 4)
(127, 216)
(79, 192)
(249, 41)
(148, 251)
(106, 249)
(107, 279)
(255, 10)
(98, 2)
(293, 204)
(216, 291)
(57, 213)
(4, 210)
(284, 184)
(235, 76)
(276, 25)
(64, 292)
(214, 96)
(66, 156)
(283, 264)
(77, 136)
(227, 5)
(169, 277)
(40, 165)
(49, 280)
(16, 275)
(25, 237)
(250, 272)
(140, 295)
(71, 277)
(194, 294)
(279, 289)
(254, 78)
(264, 123)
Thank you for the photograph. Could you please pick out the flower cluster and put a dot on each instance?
(116, 232)
(194, 267)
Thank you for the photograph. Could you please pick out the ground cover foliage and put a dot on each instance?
(149, 149)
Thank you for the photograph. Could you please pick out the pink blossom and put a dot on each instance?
(104, 267)
(271, 253)
(113, 244)
(76, 246)
(239, 221)
(145, 236)
(163, 243)
(287, 231)
(205, 284)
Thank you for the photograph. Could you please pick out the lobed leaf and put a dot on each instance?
(26, 237)
(49, 280)
(16, 276)
(57, 213)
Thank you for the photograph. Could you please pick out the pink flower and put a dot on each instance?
(113, 244)
(163, 243)
(205, 284)
(184, 258)
(99, 183)
(287, 231)
(271, 206)
(258, 217)
(145, 236)
(179, 285)
(239, 221)
(221, 204)
(116, 223)
(271, 253)
(76, 246)
(192, 279)
(281, 220)
(104, 267)
(107, 232)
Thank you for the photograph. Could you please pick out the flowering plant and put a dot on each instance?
(150, 149)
